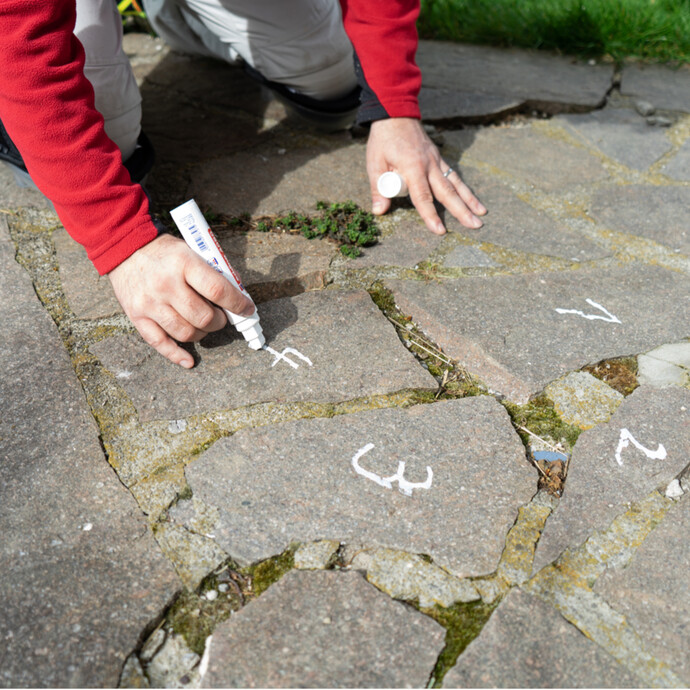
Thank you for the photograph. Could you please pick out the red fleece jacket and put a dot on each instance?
(47, 107)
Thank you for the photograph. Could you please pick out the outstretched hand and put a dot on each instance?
(169, 293)
(402, 145)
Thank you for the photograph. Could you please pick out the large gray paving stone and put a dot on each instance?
(664, 87)
(528, 644)
(679, 165)
(80, 574)
(506, 330)
(274, 180)
(653, 594)
(513, 223)
(298, 482)
(530, 155)
(352, 349)
(621, 134)
(482, 80)
(658, 213)
(324, 629)
(599, 487)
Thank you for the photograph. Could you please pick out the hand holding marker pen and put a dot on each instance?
(199, 237)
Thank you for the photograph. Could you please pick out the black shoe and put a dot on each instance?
(328, 115)
(139, 164)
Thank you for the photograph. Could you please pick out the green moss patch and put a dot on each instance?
(619, 373)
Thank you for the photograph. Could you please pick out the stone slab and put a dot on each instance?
(80, 574)
(536, 77)
(468, 257)
(666, 88)
(297, 482)
(514, 224)
(439, 104)
(407, 243)
(652, 592)
(89, 295)
(599, 487)
(679, 166)
(528, 644)
(583, 400)
(668, 365)
(530, 156)
(324, 630)
(14, 196)
(266, 182)
(658, 213)
(621, 134)
(353, 350)
(506, 330)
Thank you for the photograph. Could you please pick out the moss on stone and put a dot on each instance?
(463, 622)
(620, 373)
(268, 572)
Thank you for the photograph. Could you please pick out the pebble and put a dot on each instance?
(645, 108)
(674, 489)
(212, 595)
(659, 121)
(223, 587)
(177, 426)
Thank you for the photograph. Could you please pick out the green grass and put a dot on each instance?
(654, 30)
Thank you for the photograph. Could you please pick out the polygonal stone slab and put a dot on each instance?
(80, 574)
(606, 474)
(529, 155)
(513, 223)
(269, 182)
(324, 629)
(351, 348)
(528, 644)
(668, 365)
(659, 213)
(516, 76)
(506, 330)
(322, 479)
(679, 166)
(652, 592)
(621, 134)
(665, 88)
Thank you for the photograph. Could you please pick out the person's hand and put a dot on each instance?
(169, 292)
(402, 145)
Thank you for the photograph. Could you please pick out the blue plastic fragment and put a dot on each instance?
(549, 455)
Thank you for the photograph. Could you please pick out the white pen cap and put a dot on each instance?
(390, 185)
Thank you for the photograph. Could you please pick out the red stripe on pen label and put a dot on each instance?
(229, 268)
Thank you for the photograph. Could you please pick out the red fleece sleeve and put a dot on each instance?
(47, 107)
(384, 36)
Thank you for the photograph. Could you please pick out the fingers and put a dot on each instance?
(456, 197)
(375, 168)
(158, 339)
(215, 288)
(423, 199)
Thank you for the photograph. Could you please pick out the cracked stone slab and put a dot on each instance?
(80, 574)
(513, 223)
(407, 243)
(465, 256)
(605, 475)
(298, 482)
(621, 134)
(658, 213)
(668, 365)
(665, 88)
(352, 349)
(652, 591)
(500, 79)
(324, 629)
(528, 644)
(506, 330)
(265, 181)
(583, 400)
(679, 165)
(529, 155)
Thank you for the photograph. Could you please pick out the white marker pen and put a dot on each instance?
(198, 235)
(390, 185)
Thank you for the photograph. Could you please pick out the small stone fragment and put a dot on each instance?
(645, 108)
(408, 577)
(212, 595)
(659, 121)
(172, 661)
(674, 489)
(316, 555)
(668, 365)
(132, 674)
(583, 400)
(177, 426)
(152, 645)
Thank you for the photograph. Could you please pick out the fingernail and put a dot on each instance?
(377, 207)
(476, 223)
(481, 209)
(187, 363)
(441, 228)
